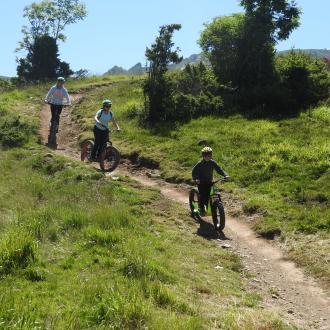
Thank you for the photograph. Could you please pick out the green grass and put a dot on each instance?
(20, 108)
(280, 169)
(79, 250)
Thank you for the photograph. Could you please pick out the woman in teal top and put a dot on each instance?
(101, 128)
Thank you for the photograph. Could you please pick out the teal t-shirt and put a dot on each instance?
(104, 118)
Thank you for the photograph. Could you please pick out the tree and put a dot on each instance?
(156, 87)
(276, 18)
(220, 42)
(50, 17)
(306, 79)
(63, 69)
(241, 48)
(82, 73)
(266, 23)
(42, 61)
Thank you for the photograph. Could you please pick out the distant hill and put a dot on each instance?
(135, 69)
(116, 70)
(139, 69)
(192, 59)
(319, 53)
(196, 58)
(4, 78)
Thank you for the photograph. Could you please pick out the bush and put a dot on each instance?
(305, 79)
(188, 106)
(195, 90)
(13, 131)
(4, 84)
(48, 164)
(300, 82)
(191, 93)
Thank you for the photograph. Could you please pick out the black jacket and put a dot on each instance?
(203, 171)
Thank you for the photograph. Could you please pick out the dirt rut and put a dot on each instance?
(283, 286)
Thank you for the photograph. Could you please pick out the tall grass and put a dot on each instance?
(18, 249)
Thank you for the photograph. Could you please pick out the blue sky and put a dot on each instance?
(117, 32)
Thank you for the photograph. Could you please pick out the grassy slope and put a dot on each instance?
(279, 168)
(80, 251)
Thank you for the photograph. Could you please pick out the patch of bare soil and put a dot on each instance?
(283, 286)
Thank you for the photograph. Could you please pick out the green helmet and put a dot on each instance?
(206, 150)
(106, 102)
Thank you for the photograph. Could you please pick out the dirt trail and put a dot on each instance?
(67, 138)
(283, 286)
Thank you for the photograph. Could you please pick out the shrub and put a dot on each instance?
(191, 93)
(305, 78)
(4, 84)
(48, 164)
(194, 93)
(13, 131)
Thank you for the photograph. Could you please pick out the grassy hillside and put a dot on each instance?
(280, 169)
(79, 250)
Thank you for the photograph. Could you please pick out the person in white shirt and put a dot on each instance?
(57, 97)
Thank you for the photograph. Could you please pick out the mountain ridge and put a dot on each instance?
(196, 58)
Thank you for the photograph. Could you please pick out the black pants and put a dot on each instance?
(204, 194)
(100, 139)
(56, 111)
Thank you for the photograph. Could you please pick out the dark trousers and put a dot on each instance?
(100, 140)
(204, 194)
(56, 111)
